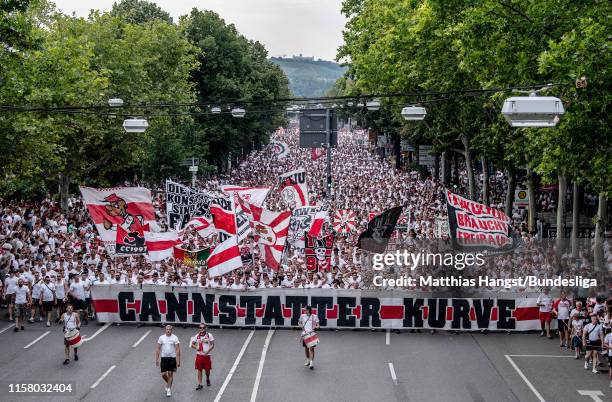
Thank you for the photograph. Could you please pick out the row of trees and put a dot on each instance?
(134, 52)
(442, 45)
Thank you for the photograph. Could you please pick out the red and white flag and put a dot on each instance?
(345, 221)
(204, 226)
(305, 219)
(270, 231)
(293, 189)
(253, 195)
(316, 153)
(161, 245)
(122, 215)
(224, 217)
(225, 257)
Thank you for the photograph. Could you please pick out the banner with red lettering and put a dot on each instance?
(334, 308)
(475, 226)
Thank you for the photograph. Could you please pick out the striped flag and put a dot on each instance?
(225, 257)
(161, 245)
(203, 225)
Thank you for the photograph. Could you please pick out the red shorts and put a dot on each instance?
(545, 317)
(203, 362)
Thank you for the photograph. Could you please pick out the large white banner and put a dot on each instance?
(335, 308)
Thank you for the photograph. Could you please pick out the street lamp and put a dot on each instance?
(533, 110)
(215, 110)
(238, 112)
(373, 105)
(115, 102)
(135, 125)
(414, 113)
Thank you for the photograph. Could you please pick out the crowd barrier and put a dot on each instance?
(335, 308)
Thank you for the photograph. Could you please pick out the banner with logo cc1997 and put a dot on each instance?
(335, 308)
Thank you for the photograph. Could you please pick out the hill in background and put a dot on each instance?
(307, 76)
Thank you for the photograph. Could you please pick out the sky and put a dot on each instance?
(284, 27)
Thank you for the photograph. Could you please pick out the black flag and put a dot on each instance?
(376, 237)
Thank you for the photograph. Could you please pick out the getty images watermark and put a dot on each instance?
(459, 261)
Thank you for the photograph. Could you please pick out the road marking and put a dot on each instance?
(388, 337)
(36, 340)
(99, 380)
(594, 395)
(566, 356)
(529, 384)
(233, 369)
(141, 339)
(264, 351)
(392, 370)
(7, 328)
(98, 332)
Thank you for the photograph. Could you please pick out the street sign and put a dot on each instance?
(190, 162)
(427, 157)
(313, 126)
(193, 169)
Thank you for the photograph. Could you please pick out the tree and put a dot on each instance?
(139, 12)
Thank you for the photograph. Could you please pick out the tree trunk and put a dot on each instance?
(469, 168)
(456, 168)
(436, 174)
(397, 150)
(485, 180)
(575, 220)
(560, 241)
(64, 187)
(531, 212)
(445, 169)
(510, 191)
(600, 226)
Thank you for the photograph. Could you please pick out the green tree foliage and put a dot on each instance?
(139, 12)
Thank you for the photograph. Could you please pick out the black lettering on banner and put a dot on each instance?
(296, 303)
(345, 304)
(370, 309)
(227, 310)
(124, 314)
(176, 307)
(202, 308)
(274, 311)
(413, 313)
(322, 303)
(505, 308)
(461, 314)
(148, 307)
(437, 312)
(482, 309)
(250, 302)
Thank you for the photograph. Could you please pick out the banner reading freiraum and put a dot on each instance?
(335, 308)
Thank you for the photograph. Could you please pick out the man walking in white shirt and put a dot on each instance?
(168, 356)
(309, 323)
(203, 343)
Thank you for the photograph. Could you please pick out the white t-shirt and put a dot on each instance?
(308, 323)
(563, 309)
(21, 294)
(168, 345)
(203, 343)
(608, 341)
(577, 326)
(546, 303)
(10, 283)
(70, 321)
(593, 331)
(78, 290)
(47, 291)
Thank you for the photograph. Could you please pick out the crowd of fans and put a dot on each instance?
(57, 254)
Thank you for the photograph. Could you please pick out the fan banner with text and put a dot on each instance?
(334, 308)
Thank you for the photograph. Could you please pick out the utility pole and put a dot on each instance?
(328, 145)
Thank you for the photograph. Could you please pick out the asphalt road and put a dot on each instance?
(117, 364)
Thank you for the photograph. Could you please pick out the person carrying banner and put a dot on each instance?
(203, 342)
(168, 356)
(309, 324)
(71, 322)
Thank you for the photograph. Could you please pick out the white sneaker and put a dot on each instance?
(586, 365)
(311, 365)
(307, 362)
(168, 392)
(594, 371)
